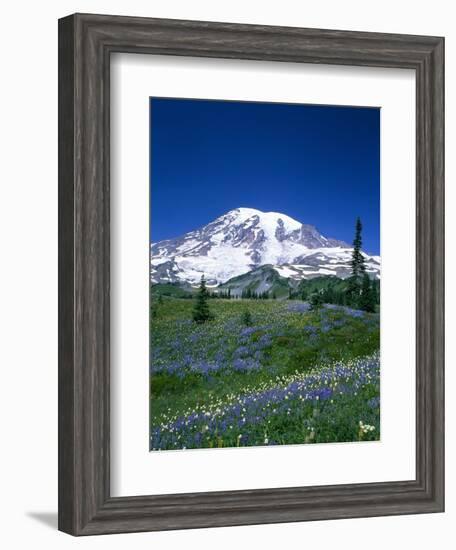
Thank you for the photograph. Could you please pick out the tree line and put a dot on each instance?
(246, 294)
(360, 291)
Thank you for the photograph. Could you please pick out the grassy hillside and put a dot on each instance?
(290, 375)
(308, 286)
(321, 283)
(262, 279)
(173, 290)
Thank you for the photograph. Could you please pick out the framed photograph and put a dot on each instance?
(251, 274)
(263, 331)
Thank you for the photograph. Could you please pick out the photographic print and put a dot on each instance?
(264, 274)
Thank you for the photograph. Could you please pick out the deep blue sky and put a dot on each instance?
(317, 164)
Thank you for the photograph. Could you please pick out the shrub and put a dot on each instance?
(316, 301)
(247, 318)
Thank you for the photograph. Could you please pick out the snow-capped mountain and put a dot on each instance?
(242, 240)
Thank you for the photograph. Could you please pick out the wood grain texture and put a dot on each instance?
(66, 275)
(85, 45)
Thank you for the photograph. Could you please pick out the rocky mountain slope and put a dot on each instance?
(245, 239)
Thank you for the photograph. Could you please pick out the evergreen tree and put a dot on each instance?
(316, 300)
(376, 291)
(247, 318)
(153, 311)
(328, 295)
(354, 283)
(353, 292)
(367, 298)
(337, 297)
(201, 311)
(357, 262)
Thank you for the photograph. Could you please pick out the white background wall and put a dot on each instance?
(28, 272)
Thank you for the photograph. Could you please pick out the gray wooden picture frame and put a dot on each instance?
(85, 45)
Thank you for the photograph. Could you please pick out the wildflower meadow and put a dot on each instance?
(262, 372)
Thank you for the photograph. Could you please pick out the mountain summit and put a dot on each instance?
(244, 239)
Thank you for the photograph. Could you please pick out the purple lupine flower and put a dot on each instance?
(303, 307)
(374, 403)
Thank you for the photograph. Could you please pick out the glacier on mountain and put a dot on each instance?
(244, 239)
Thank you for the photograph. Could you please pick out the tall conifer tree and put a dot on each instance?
(357, 262)
(358, 268)
(367, 298)
(201, 311)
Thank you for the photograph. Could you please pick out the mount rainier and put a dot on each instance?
(244, 239)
